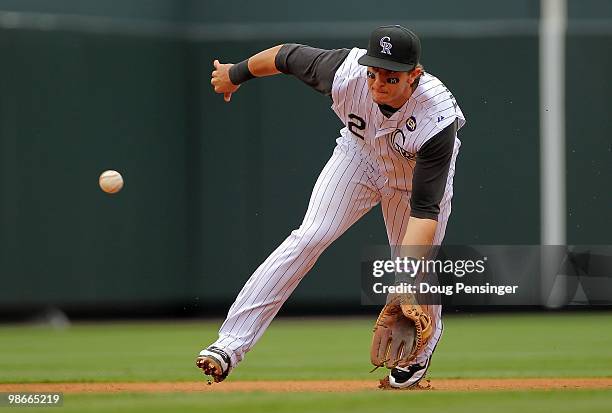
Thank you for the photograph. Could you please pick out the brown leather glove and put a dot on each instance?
(401, 330)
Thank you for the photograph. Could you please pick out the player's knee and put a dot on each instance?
(312, 238)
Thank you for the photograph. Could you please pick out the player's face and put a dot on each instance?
(388, 87)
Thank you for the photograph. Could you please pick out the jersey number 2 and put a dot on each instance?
(358, 124)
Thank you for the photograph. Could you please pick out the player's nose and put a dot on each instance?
(378, 87)
(378, 83)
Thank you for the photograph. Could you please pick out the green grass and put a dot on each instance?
(527, 345)
(545, 345)
(361, 402)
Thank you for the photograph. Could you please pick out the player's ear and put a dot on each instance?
(409, 78)
(414, 74)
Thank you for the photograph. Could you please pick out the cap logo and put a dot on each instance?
(386, 45)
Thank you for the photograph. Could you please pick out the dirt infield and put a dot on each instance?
(311, 386)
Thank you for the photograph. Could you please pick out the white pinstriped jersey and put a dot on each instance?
(397, 139)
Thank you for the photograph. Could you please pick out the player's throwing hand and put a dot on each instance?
(221, 82)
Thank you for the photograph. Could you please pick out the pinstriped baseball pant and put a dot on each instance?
(347, 188)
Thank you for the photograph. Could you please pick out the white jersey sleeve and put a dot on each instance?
(435, 108)
(350, 85)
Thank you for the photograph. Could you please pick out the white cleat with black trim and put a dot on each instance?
(214, 362)
(409, 376)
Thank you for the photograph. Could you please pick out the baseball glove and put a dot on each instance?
(401, 330)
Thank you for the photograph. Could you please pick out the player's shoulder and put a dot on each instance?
(349, 77)
(351, 68)
(430, 90)
(435, 101)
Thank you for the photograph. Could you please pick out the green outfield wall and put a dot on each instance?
(212, 188)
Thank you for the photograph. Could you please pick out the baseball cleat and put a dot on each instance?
(409, 376)
(214, 362)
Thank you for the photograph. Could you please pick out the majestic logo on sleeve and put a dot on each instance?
(397, 141)
(386, 45)
(411, 124)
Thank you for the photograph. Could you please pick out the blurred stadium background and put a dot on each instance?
(212, 188)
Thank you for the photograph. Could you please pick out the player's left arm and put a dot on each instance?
(406, 318)
(428, 185)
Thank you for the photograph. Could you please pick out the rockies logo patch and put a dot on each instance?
(411, 124)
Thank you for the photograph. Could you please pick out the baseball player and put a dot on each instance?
(398, 147)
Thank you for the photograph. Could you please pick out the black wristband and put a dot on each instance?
(240, 73)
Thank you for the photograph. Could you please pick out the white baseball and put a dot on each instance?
(111, 182)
